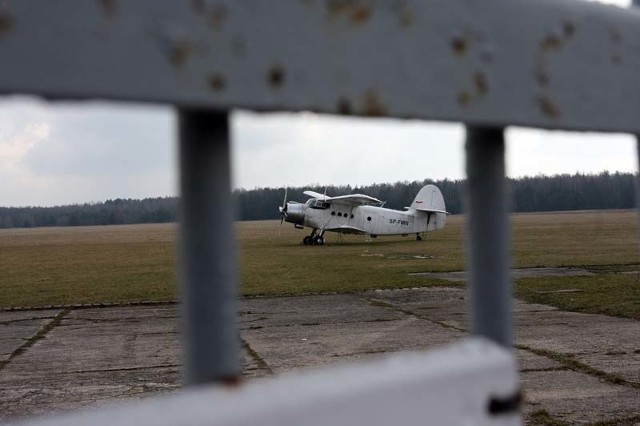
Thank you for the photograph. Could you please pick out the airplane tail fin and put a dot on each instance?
(431, 202)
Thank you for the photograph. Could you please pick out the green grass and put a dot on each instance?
(610, 294)
(49, 266)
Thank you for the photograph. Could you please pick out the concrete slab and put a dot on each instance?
(93, 355)
(306, 346)
(578, 398)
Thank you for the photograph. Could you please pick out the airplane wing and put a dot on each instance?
(356, 199)
(346, 230)
(352, 199)
(316, 195)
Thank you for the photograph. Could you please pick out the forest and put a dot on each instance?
(528, 194)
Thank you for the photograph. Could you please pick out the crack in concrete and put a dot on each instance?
(256, 357)
(40, 334)
(383, 304)
(10, 322)
(113, 370)
(570, 362)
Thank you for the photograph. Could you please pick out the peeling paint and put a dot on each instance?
(217, 82)
(550, 43)
(6, 23)
(358, 12)
(459, 45)
(180, 52)
(480, 83)
(548, 108)
(373, 106)
(276, 76)
(464, 98)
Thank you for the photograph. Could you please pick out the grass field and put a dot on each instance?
(49, 266)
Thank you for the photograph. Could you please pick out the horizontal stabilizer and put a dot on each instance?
(428, 210)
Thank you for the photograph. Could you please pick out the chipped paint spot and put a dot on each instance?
(569, 29)
(464, 99)
(276, 76)
(109, 9)
(480, 83)
(6, 23)
(217, 82)
(373, 106)
(218, 16)
(548, 108)
(344, 106)
(550, 43)
(181, 52)
(459, 45)
(358, 12)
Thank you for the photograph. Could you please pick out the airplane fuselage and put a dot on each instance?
(369, 219)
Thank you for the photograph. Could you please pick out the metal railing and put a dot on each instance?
(486, 64)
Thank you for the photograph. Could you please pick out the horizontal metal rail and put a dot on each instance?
(544, 63)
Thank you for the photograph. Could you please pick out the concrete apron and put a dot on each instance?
(576, 367)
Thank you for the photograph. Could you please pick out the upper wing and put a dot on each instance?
(316, 195)
(356, 199)
(352, 199)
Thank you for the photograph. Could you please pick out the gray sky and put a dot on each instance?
(62, 153)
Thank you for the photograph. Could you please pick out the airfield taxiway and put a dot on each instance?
(578, 368)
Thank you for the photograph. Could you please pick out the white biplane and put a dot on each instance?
(365, 215)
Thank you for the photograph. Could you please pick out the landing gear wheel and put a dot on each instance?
(307, 241)
(418, 237)
(319, 240)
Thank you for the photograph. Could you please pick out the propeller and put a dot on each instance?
(283, 211)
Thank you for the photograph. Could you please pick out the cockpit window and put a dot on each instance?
(314, 203)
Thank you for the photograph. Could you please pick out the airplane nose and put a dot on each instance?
(294, 213)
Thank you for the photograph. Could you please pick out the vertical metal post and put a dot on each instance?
(207, 255)
(638, 178)
(488, 235)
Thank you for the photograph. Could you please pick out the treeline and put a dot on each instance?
(528, 194)
(111, 212)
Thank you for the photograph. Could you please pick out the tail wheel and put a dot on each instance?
(319, 240)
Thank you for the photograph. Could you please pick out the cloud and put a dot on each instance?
(296, 149)
(80, 152)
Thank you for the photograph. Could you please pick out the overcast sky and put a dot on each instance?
(82, 152)
(61, 153)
